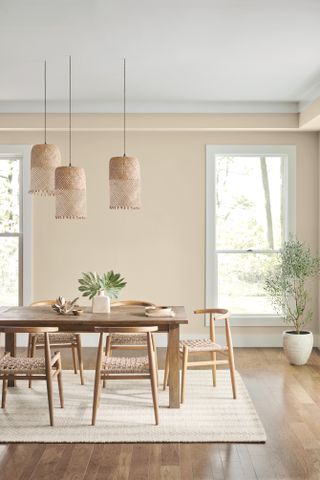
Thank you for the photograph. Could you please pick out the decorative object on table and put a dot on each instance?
(70, 182)
(124, 172)
(158, 311)
(101, 303)
(77, 311)
(63, 306)
(285, 285)
(92, 283)
(45, 158)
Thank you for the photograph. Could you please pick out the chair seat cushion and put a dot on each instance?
(128, 339)
(119, 365)
(22, 365)
(60, 337)
(201, 345)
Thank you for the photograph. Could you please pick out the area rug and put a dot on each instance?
(126, 413)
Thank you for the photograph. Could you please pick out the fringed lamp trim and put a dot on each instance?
(43, 193)
(69, 217)
(125, 208)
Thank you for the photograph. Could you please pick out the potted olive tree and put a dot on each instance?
(285, 285)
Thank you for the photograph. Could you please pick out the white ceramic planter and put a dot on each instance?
(297, 348)
(101, 303)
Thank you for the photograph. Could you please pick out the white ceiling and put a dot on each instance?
(182, 55)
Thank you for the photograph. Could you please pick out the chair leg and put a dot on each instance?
(32, 352)
(48, 365)
(166, 371)
(29, 346)
(108, 353)
(97, 381)
(80, 361)
(231, 359)
(184, 372)
(73, 348)
(214, 369)
(60, 384)
(50, 397)
(108, 345)
(232, 374)
(96, 397)
(4, 392)
(153, 378)
(99, 394)
(155, 358)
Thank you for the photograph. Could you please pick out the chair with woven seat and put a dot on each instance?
(27, 368)
(132, 341)
(204, 347)
(123, 368)
(58, 340)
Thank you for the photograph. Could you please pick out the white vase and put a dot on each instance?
(101, 303)
(297, 348)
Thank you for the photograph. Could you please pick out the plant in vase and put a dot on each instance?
(285, 285)
(101, 288)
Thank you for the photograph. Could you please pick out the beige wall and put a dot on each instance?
(160, 249)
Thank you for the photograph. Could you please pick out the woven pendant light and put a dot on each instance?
(70, 183)
(45, 158)
(124, 172)
(71, 199)
(124, 180)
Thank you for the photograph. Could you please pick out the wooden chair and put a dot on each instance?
(204, 347)
(132, 341)
(26, 368)
(58, 340)
(123, 368)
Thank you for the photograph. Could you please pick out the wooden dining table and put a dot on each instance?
(86, 322)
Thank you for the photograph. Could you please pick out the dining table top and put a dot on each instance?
(44, 316)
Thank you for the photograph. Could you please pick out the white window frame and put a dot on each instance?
(288, 152)
(23, 152)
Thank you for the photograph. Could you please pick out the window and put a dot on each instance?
(15, 226)
(250, 211)
(10, 227)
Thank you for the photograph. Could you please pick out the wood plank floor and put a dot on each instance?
(287, 399)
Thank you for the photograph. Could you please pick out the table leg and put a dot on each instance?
(10, 347)
(174, 367)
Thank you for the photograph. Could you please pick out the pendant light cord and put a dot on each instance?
(70, 145)
(45, 101)
(124, 107)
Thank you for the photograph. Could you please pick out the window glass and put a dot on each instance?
(9, 195)
(9, 270)
(10, 239)
(250, 202)
(241, 278)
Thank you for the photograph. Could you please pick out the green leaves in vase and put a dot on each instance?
(91, 283)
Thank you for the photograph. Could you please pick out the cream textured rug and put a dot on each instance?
(126, 413)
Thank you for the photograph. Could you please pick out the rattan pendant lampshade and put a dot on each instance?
(45, 158)
(70, 182)
(124, 172)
